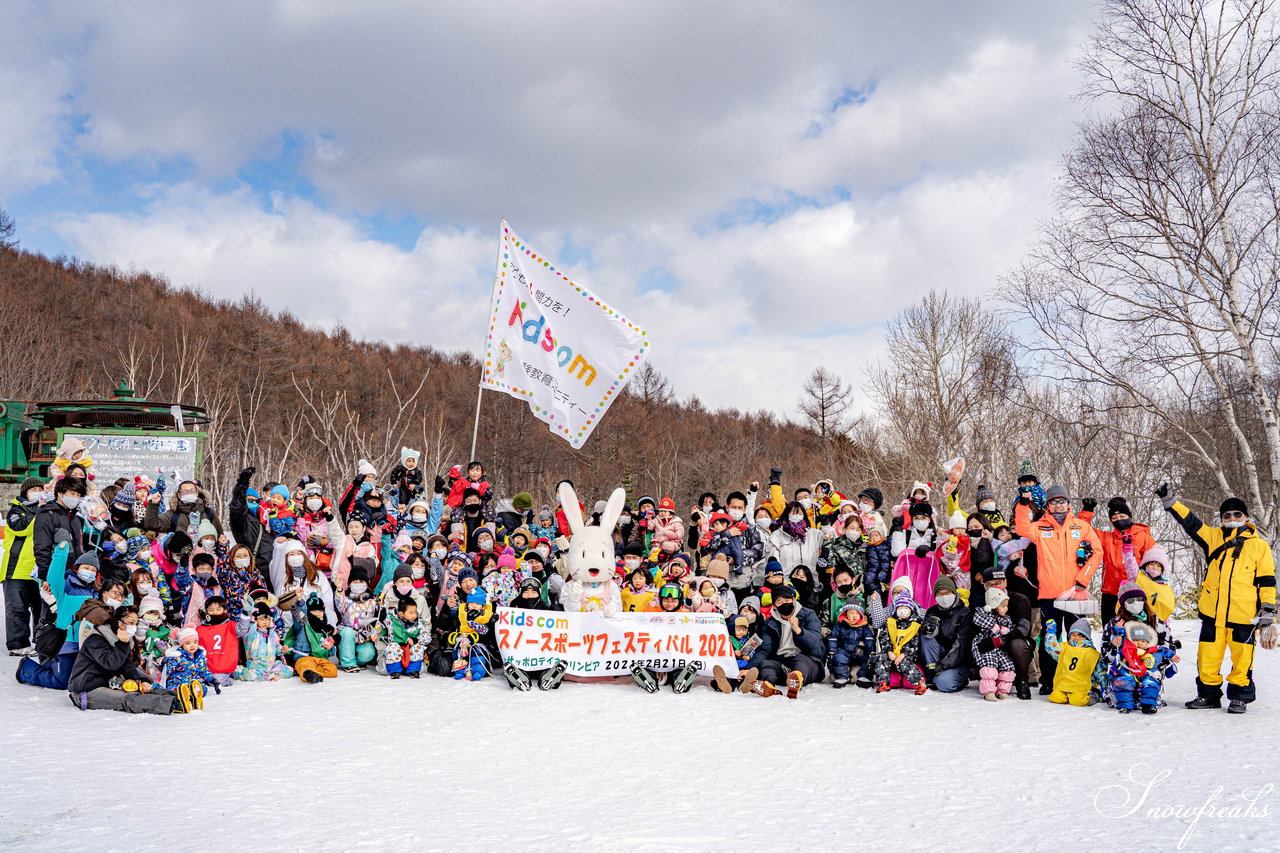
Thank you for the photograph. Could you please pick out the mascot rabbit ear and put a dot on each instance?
(572, 513)
(612, 510)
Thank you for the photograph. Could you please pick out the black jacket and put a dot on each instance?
(178, 516)
(808, 641)
(51, 518)
(101, 660)
(953, 629)
(246, 528)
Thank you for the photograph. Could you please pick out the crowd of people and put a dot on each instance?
(129, 596)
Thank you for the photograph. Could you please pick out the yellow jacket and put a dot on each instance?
(1075, 668)
(1241, 573)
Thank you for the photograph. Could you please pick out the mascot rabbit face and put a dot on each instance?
(591, 558)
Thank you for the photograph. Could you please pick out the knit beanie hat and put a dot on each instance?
(1081, 626)
(851, 614)
(281, 490)
(263, 609)
(34, 483)
(88, 559)
(984, 494)
(1055, 491)
(1156, 554)
(477, 596)
(903, 600)
(364, 468)
(943, 584)
(1129, 590)
(995, 597)
(1233, 505)
(1118, 505)
(150, 604)
(402, 571)
(188, 634)
(1027, 471)
(461, 556)
(467, 573)
(358, 573)
(772, 567)
(919, 486)
(958, 519)
(508, 559)
(523, 501)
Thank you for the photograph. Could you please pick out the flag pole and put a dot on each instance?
(497, 268)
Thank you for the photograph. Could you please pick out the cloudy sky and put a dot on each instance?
(762, 185)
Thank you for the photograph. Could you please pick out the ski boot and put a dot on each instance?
(644, 678)
(516, 677)
(683, 679)
(551, 678)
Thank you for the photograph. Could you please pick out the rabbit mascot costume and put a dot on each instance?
(591, 559)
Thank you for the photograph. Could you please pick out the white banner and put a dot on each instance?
(594, 644)
(555, 344)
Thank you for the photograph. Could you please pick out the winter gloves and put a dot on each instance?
(922, 551)
(1166, 496)
(775, 476)
(1088, 504)
(439, 486)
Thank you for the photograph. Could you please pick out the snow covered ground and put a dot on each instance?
(363, 762)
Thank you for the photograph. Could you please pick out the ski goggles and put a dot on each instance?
(670, 592)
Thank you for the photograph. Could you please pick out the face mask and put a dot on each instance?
(632, 562)
(795, 518)
(145, 589)
(86, 574)
(34, 498)
(1122, 523)
(98, 524)
(472, 509)
(314, 504)
(204, 577)
(764, 523)
(187, 499)
(113, 602)
(921, 524)
(807, 503)
(853, 534)
(974, 534)
(359, 588)
(418, 572)
(785, 608)
(543, 550)
(241, 562)
(624, 519)
(987, 506)
(419, 517)
(71, 501)
(438, 553)
(1233, 525)
(253, 505)
(867, 507)
(404, 589)
(1136, 606)
(903, 613)
(294, 560)
(207, 544)
(485, 544)
(151, 618)
(130, 631)
(845, 588)
(946, 602)
(736, 514)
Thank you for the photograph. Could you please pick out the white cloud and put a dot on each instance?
(635, 131)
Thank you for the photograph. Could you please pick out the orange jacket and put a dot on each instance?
(1056, 549)
(1113, 571)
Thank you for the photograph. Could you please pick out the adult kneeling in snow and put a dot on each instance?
(790, 641)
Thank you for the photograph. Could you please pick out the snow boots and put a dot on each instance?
(551, 678)
(749, 677)
(795, 680)
(720, 680)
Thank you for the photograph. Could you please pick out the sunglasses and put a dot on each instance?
(1059, 501)
(1233, 516)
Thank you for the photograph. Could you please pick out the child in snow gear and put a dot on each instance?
(1136, 676)
(406, 640)
(186, 664)
(1076, 680)
(991, 625)
(896, 661)
(852, 643)
(263, 655)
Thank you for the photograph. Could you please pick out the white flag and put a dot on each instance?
(555, 344)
